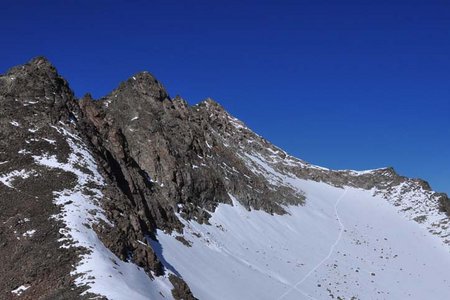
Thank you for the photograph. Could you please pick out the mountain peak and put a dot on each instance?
(143, 84)
(37, 78)
(38, 65)
(38, 68)
(41, 61)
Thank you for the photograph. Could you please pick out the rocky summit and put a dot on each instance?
(138, 195)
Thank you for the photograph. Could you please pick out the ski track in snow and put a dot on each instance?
(342, 227)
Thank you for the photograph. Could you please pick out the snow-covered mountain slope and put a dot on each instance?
(343, 243)
(98, 271)
(99, 268)
(140, 196)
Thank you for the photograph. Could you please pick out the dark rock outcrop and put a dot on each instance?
(444, 203)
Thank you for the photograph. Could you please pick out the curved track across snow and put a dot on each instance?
(330, 252)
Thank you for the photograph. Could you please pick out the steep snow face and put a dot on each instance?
(344, 242)
(100, 269)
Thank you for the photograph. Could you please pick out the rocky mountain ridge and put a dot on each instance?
(142, 162)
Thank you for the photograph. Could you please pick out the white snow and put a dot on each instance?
(29, 233)
(358, 173)
(18, 291)
(260, 166)
(236, 123)
(344, 240)
(105, 273)
(7, 179)
(417, 204)
(330, 252)
(52, 142)
(24, 151)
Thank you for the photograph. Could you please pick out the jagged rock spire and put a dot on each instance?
(142, 84)
(38, 81)
(37, 78)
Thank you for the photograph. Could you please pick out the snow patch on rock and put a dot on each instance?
(8, 179)
(18, 291)
(29, 233)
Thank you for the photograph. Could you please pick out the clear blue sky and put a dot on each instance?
(343, 84)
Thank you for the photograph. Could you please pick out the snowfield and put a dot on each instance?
(344, 242)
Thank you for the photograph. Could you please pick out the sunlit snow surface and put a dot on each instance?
(343, 242)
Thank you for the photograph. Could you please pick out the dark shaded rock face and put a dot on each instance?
(444, 203)
(160, 158)
(181, 290)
